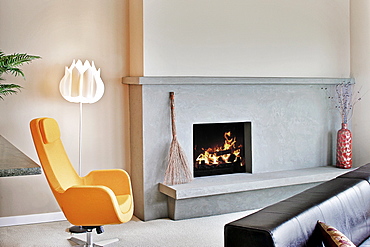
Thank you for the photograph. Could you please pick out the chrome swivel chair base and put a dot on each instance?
(89, 242)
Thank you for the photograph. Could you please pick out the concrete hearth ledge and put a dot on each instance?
(242, 182)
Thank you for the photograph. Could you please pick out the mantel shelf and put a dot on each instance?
(205, 80)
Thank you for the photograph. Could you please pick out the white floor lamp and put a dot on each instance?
(81, 84)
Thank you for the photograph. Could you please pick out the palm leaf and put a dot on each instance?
(11, 63)
(8, 89)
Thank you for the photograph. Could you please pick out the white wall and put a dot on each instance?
(60, 31)
(251, 38)
(247, 38)
(360, 69)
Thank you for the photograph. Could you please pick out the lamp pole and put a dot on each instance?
(81, 84)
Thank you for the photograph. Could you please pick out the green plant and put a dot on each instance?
(10, 64)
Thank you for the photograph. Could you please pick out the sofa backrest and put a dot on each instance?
(342, 203)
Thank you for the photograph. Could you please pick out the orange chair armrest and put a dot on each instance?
(116, 179)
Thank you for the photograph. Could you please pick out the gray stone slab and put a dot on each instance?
(229, 203)
(15, 163)
(237, 192)
(241, 182)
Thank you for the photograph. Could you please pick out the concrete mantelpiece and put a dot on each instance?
(293, 126)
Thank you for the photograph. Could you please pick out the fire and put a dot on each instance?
(228, 153)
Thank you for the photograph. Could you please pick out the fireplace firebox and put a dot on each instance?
(222, 148)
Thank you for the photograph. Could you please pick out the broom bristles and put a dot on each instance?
(178, 171)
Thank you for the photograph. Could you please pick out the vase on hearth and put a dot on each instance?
(344, 147)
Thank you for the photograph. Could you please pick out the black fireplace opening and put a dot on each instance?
(222, 148)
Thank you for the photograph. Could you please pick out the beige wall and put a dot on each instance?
(360, 69)
(247, 38)
(60, 31)
(192, 37)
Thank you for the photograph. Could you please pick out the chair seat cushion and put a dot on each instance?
(124, 202)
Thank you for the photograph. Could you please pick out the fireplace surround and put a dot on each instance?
(294, 127)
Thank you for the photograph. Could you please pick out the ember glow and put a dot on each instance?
(227, 153)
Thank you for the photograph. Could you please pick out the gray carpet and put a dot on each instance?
(204, 231)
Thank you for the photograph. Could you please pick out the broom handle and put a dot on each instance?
(172, 101)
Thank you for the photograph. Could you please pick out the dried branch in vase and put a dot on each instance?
(345, 99)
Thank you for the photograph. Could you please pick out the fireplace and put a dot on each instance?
(293, 130)
(221, 148)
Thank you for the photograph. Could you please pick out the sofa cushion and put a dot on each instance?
(332, 237)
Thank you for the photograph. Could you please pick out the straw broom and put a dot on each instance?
(178, 171)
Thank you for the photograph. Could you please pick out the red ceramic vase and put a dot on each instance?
(344, 147)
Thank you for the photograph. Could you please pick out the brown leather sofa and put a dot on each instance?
(343, 202)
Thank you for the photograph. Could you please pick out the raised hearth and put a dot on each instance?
(293, 127)
(238, 192)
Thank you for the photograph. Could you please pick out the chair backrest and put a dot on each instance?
(53, 158)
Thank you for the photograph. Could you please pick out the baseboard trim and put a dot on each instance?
(31, 219)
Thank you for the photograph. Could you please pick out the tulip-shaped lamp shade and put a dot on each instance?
(81, 84)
